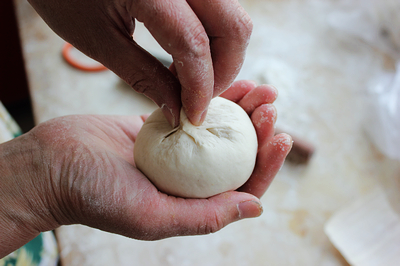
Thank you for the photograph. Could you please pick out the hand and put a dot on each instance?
(80, 169)
(207, 41)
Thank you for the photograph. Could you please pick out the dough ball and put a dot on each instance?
(198, 161)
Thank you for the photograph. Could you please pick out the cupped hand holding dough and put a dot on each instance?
(198, 161)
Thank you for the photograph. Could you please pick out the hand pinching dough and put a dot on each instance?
(198, 161)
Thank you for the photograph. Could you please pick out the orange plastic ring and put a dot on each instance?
(73, 62)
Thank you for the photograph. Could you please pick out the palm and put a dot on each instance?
(101, 187)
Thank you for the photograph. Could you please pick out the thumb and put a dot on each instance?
(105, 35)
(178, 216)
(145, 74)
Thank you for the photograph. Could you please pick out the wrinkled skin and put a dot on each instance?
(80, 169)
(207, 40)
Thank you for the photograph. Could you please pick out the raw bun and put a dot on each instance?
(198, 161)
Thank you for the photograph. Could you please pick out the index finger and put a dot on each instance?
(229, 28)
(179, 32)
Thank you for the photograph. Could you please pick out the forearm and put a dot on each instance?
(23, 213)
(13, 235)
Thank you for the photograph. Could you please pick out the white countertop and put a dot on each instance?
(321, 76)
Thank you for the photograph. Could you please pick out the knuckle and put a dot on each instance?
(194, 42)
(243, 26)
(138, 83)
(140, 86)
(53, 132)
(212, 224)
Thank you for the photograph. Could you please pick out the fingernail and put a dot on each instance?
(249, 209)
(288, 139)
(203, 116)
(274, 88)
(169, 116)
(275, 114)
(200, 119)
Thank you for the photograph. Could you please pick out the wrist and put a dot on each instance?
(24, 203)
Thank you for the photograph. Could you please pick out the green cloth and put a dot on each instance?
(42, 250)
